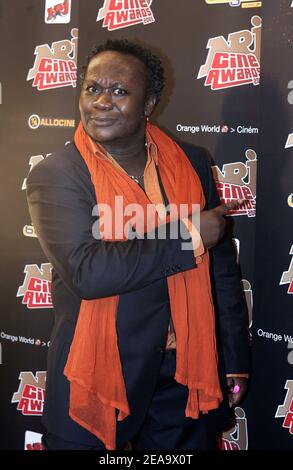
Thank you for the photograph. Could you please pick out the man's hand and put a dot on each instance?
(237, 387)
(212, 223)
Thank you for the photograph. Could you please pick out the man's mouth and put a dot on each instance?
(102, 122)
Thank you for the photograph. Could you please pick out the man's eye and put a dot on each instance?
(91, 89)
(119, 92)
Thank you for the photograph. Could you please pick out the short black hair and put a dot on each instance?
(155, 72)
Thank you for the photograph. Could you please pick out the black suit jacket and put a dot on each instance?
(61, 197)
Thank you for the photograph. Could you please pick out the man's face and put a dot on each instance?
(112, 101)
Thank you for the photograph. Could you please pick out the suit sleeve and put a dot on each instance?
(229, 300)
(61, 211)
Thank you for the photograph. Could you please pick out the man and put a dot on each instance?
(136, 312)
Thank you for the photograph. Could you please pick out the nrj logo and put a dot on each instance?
(287, 276)
(237, 3)
(237, 180)
(33, 441)
(236, 438)
(286, 409)
(234, 62)
(57, 11)
(36, 287)
(55, 66)
(118, 14)
(30, 393)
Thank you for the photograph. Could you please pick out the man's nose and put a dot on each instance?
(104, 100)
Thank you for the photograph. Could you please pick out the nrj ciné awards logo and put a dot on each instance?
(236, 438)
(36, 288)
(30, 394)
(237, 180)
(287, 276)
(55, 65)
(285, 410)
(117, 14)
(235, 61)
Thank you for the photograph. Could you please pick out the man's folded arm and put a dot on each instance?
(61, 212)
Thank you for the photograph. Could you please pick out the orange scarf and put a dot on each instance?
(97, 389)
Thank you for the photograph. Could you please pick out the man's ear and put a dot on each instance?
(150, 105)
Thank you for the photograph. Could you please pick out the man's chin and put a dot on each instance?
(101, 134)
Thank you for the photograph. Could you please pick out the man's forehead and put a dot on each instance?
(112, 62)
